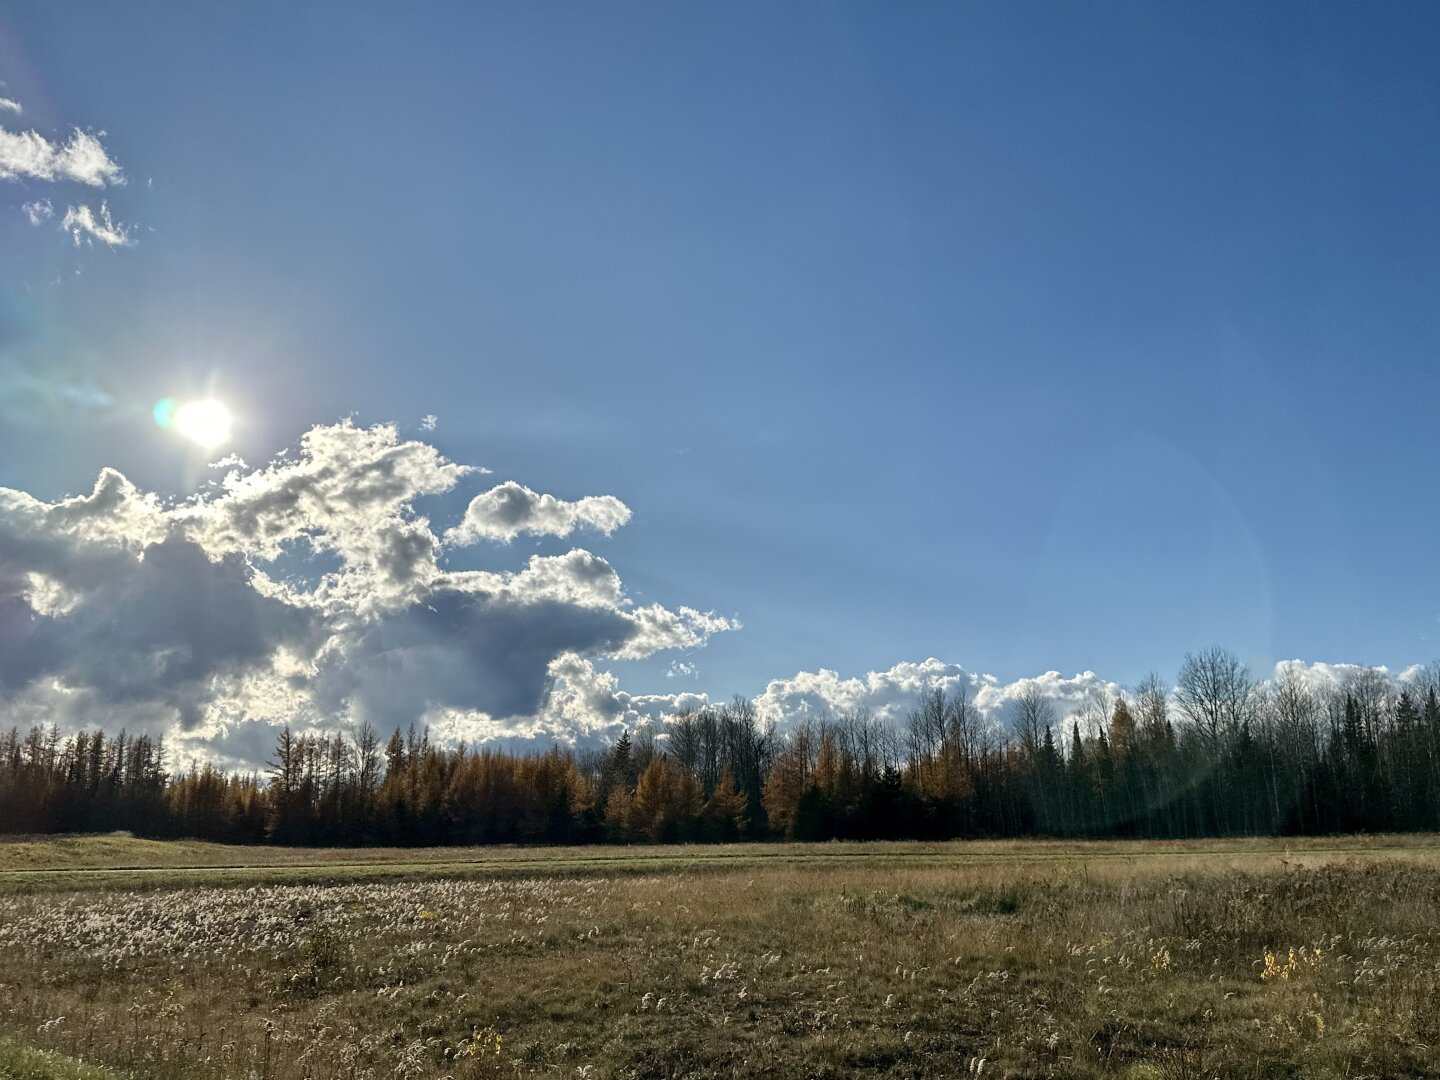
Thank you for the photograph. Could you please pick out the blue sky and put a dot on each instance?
(1025, 336)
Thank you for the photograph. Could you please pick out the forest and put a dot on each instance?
(1219, 753)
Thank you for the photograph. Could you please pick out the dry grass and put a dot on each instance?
(902, 960)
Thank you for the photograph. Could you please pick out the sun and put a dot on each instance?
(205, 422)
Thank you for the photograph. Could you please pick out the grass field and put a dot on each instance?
(1248, 958)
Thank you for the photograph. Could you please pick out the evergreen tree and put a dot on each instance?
(723, 816)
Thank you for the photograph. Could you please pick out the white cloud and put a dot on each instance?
(1324, 678)
(28, 155)
(1364, 680)
(85, 224)
(577, 577)
(890, 695)
(591, 703)
(347, 495)
(659, 628)
(429, 422)
(1068, 694)
(310, 591)
(307, 591)
(81, 158)
(509, 509)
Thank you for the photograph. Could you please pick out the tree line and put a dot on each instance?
(1220, 753)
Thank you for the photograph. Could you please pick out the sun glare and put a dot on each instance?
(205, 422)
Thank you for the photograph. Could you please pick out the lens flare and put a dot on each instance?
(205, 422)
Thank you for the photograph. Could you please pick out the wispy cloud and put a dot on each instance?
(81, 158)
(28, 155)
(85, 224)
(39, 211)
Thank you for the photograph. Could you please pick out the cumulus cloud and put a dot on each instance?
(6, 105)
(86, 225)
(583, 706)
(1370, 684)
(28, 155)
(308, 591)
(1326, 677)
(99, 597)
(509, 509)
(889, 695)
(588, 700)
(1070, 695)
(311, 591)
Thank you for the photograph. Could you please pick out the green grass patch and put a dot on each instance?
(23, 1063)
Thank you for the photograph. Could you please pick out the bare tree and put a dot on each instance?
(1216, 692)
(1427, 680)
(1293, 712)
(925, 724)
(963, 722)
(1098, 708)
(1374, 696)
(1152, 710)
(683, 739)
(748, 747)
(368, 757)
(861, 736)
(1030, 715)
(710, 759)
(644, 751)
